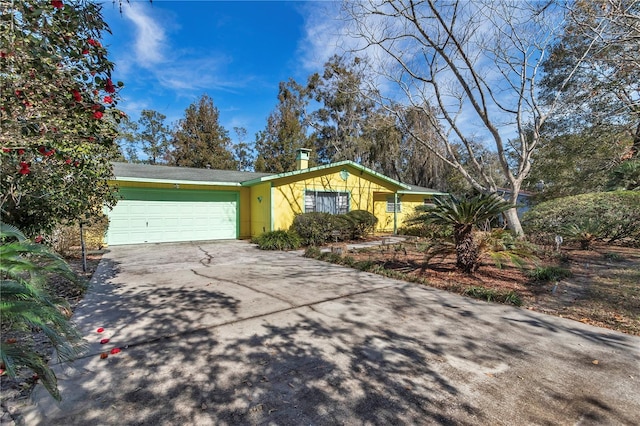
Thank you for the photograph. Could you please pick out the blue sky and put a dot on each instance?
(168, 53)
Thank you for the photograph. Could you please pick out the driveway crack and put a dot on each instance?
(245, 286)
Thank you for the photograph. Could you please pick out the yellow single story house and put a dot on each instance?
(170, 204)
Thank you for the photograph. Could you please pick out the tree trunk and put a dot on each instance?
(466, 248)
(513, 221)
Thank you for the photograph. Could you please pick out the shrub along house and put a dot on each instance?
(168, 204)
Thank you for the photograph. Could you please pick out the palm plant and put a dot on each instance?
(26, 307)
(585, 231)
(464, 216)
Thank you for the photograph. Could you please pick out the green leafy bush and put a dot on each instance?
(316, 228)
(278, 240)
(313, 228)
(363, 223)
(617, 214)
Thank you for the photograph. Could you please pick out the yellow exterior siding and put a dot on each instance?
(260, 208)
(408, 204)
(288, 193)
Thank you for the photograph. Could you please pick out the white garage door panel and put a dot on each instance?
(137, 221)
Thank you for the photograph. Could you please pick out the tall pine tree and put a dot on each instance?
(199, 139)
(285, 132)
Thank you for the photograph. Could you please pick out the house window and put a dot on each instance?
(328, 202)
(391, 205)
(428, 202)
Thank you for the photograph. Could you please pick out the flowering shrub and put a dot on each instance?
(58, 113)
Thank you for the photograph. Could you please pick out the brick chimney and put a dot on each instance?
(302, 158)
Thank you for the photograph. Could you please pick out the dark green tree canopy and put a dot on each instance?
(154, 135)
(285, 132)
(200, 140)
(345, 107)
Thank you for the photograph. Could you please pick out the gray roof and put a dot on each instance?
(136, 171)
(122, 171)
(421, 190)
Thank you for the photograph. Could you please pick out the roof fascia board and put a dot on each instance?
(324, 167)
(423, 192)
(178, 181)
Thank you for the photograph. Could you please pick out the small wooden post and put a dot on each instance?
(84, 250)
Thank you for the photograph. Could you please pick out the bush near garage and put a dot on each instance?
(318, 228)
(616, 213)
(314, 228)
(278, 240)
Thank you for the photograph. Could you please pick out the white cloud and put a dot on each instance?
(150, 38)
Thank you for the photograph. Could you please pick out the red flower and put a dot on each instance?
(6, 149)
(20, 151)
(77, 96)
(97, 115)
(104, 341)
(93, 42)
(38, 239)
(85, 52)
(115, 351)
(100, 330)
(24, 168)
(109, 87)
(68, 161)
(42, 150)
(57, 4)
(108, 99)
(96, 107)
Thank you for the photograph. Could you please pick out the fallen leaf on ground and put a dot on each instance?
(595, 362)
(103, 341)
(103, 355)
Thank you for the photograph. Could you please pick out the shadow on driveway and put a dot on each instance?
(221, 333)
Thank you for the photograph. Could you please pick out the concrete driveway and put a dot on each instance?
(222, 333)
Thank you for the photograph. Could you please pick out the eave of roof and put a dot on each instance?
(324, 167)
(415, 189)
(178, 181)
(128, 172)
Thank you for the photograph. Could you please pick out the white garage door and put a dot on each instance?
(155, 216)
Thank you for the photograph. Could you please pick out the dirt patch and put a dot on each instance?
(14, 392)
(603, 289)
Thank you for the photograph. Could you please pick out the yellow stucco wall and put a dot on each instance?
(408, 204)
(260, 197)
(288, 193)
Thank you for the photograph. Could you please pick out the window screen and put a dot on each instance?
(328, 202)
(391, 205)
